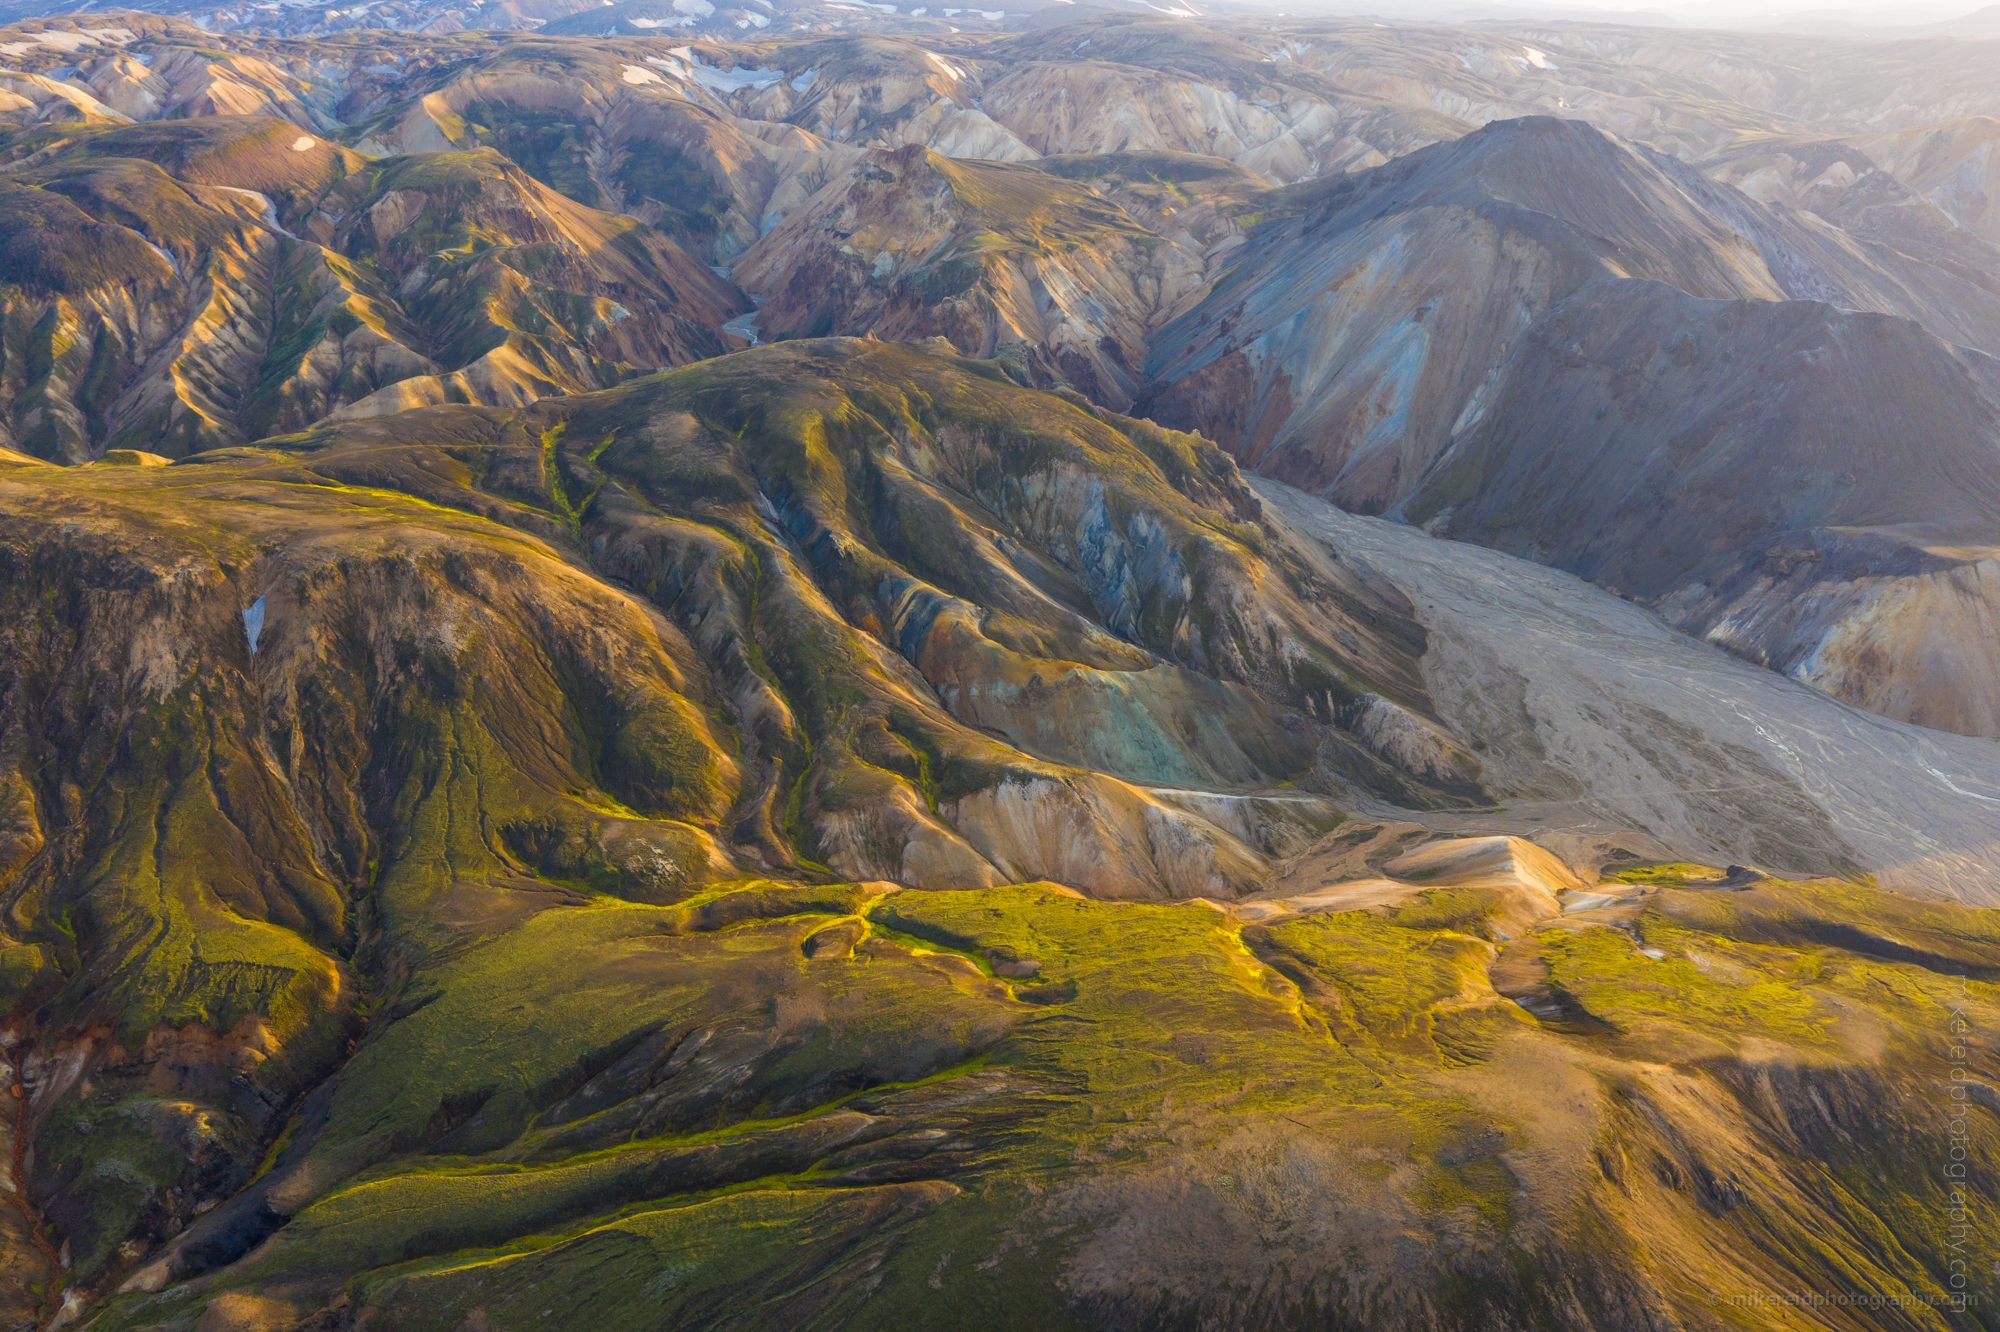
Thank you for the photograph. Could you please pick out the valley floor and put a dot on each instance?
(1593, 715)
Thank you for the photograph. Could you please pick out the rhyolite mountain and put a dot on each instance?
(600, 827)
(1342, 348)
(1760, 472)
(687, 665)
(1703, 400)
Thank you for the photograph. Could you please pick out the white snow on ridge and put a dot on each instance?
(733, 80)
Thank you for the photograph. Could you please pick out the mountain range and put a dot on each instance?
(825, 664)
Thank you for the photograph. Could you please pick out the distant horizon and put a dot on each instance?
(1790, 15)
(1688, 13)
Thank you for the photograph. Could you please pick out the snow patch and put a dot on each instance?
(733, 80)
(304, 143)
(253, 623)
(633, 74)
(57, 40)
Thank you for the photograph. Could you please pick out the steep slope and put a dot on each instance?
(289, 167)
(30, 99)
(186, 843)
(1922, 192)
(1768, 474)
(263, 292)
(890, 616)
(399, 767)
(871, 92)
(157, 351)
(1197, 202)
(1338, 347)
(145, 67)
(1029, 560)
(1953, 167)
(517, 291)
(1342, 349)
(1122, 84)
(997, 259)
(637, 124)
(640, 127)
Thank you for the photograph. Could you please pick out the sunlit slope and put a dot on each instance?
(176, 286)
(921, 1109)
(546, 914)
(290, 723)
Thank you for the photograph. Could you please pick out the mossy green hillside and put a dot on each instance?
(219, 857)
(1183, 1129)
(574, 746)
(829, 522)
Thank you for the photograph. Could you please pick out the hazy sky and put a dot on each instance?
(1719, 13)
